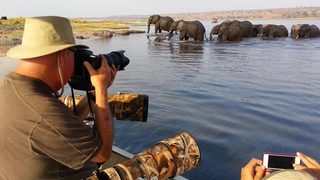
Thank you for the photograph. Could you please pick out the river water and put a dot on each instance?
(237, 100)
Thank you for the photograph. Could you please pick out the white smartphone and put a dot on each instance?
(279, 161)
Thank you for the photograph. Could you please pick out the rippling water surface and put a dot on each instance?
(237, 100)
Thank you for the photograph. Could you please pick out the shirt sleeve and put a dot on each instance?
(61, 136)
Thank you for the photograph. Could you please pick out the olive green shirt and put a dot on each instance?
(40, 138)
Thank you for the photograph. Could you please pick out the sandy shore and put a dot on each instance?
(11, 31)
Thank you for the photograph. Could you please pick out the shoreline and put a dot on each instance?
(11, 30)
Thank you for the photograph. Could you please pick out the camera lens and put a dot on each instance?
(118, 59)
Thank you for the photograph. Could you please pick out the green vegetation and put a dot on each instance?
(81, 25)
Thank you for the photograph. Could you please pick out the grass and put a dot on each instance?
(11, 30)
(81, 25)
(14, 26)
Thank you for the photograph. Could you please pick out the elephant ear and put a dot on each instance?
(179, 25)
(156, 18)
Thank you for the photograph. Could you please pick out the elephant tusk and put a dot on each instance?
(297, 37)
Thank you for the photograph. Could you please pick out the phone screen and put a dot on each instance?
(281, 162)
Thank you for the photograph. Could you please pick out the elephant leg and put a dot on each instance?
(186, 37)
(160, 30)
(223, 37)
(157, 28)
(200, 37)
(182, 35)
(307, 35)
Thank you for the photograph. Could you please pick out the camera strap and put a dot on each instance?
(74, 103)
(90, 106)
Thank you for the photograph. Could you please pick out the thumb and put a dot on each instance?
(260, 173)
(298, 167)
(89, 67)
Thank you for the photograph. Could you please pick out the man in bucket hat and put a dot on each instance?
(40, 138)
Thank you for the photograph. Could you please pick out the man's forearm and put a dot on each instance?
(103, 123)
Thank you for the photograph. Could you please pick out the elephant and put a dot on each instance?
(230, 32)
(257, 29)
(160, 22)
(193, 29)
(246, 28)
(215, 30)
(272, 31)
(304, 31)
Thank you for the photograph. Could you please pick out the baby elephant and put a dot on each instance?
(272, 31)
(192, 29)
(304, 31)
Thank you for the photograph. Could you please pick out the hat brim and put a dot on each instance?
(27, 52)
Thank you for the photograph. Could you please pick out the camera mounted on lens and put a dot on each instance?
(80, 79)
(132, 107)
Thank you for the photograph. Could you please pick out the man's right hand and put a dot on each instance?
(104, 76)
(311, 165)
(102, 79)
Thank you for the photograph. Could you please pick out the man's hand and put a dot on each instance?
(104, 76)
(102, 79)
(312, 166)
(253, 170)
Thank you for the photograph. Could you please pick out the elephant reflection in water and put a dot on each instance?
(304, 31)
(160, 22)
(189, 48)
(188, 29)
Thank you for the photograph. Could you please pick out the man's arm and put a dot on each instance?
(101, 79)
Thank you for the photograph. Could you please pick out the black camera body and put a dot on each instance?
(80, 79)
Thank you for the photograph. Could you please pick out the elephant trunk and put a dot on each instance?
(148, 28)
(210, 37)
(170, 34)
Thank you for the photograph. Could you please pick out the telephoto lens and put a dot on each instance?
(166, 160)
(80, 79)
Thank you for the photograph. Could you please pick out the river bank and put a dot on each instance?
(11, 30)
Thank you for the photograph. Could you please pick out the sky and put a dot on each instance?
(106, 8)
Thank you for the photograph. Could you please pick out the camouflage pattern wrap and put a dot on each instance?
(185, 151)
(169, 158)
(148, 165)
(129, 170)
(133, 107)
(163, 159)
(112, 173)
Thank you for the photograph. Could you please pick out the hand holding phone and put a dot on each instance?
(279, 161)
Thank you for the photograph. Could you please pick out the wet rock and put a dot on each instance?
(122, 33)
(81, 37)
(127, 32)
(103, 34)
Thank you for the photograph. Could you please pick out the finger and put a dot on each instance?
(260, 173)
(113, 72)
(103, 61)
(309, 162)
(250, 167)
(298, 167)
(89, 67)
(114, 67)
(254, 162)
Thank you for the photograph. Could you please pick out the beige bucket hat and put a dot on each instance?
(44, 35)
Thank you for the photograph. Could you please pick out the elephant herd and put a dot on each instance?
(230, 30)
